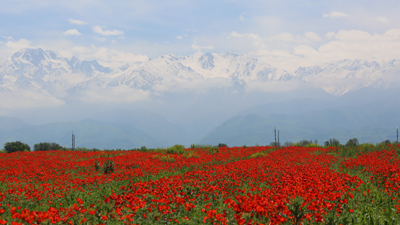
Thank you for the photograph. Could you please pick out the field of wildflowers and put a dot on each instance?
(237, 185)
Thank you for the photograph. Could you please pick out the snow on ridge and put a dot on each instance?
(48, 70)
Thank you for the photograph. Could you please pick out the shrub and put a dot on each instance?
(288, 143)
(333, 142)
(196, 146)
(176, 149)
(200, 146)
(167, 158)
(262, 153)
(16, 146)
(386, 142)
(191, 154)
(220, 145)
(209, 148)
(108, 166)
(304, 143)
(46, 146)
(352, 143)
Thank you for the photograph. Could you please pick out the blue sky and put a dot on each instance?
(116, 32)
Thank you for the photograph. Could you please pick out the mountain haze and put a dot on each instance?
(89, 133)
(311, 120)
(208, 98)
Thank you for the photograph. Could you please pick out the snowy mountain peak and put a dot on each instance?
(48, 71)
(34, 56)
(347, 75)
(90, 67)
(358, 64)
(206, 61)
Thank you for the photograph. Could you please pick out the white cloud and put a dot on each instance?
(251, 36)
(72, 32)
(9, 38)
(177, 84)
(241, 18)
(312, 36)
(99, 30)
(284, 40)
(199, 48)
(276, 86)
(114, 58)
(81, 50)
(118, 94)
(288, 51)
(13, 46)
(360, 44)
(283, 37)
(382, 19)
(179, 37)
(110, 57)
(114, 42)
(305, 50)
(330, 35)
(27, 99)
(79, 22)
(335, 14)
(102, 39)
(351, 35)
(393, 34)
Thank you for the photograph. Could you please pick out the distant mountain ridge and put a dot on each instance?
(225, 111)
(347, 75)
(371, 122)
(89, 133)
(48, 71)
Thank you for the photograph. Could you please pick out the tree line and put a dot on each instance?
(18, 146)
(333, 142)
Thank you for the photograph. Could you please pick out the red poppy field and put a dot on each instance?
(238, 185)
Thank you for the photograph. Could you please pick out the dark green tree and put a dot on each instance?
(332, 142)
(288, 143)
(386, 142)
(16, 146)
(352, 142)
(305, 142)
(274, 144)
(46, 146)
(220, 145)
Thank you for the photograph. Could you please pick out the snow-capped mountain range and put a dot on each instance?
(48, 71)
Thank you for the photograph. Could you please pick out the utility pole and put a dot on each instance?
(397, 134)
(73, 141)
(275, 135)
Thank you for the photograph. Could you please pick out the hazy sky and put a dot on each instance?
(286, 32)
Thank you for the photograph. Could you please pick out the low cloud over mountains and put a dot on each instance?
(51, 77)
